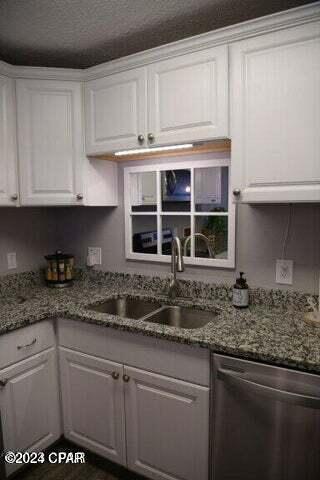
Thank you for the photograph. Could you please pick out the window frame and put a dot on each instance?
(229, 262)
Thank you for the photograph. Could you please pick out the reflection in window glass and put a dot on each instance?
(174, 226)
(176, 190)
(144, 234)
(211, 237)
(143, 186)
(211, 187)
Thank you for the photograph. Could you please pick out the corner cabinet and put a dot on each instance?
(182, 99)
(8, 153)
(275, 112)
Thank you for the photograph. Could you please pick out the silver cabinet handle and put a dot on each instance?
(237, 192)
(3, 383)
(270, 392)
(140, 138)
(19, 347)
(150, 137)
(126, 378)
(14, 197)
(79, 196)
(115, 375)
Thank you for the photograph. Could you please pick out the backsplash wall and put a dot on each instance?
(260, 232)
(33, 232)
(30, 232)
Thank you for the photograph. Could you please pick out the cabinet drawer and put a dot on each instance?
(186, 362)
(22, 343)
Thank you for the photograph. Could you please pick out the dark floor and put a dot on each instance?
(95, 468)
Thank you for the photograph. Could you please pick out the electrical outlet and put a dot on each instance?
(12, 260)
(284, 272)
(94, 255)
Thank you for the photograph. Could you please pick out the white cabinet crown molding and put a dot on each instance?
(277, 21)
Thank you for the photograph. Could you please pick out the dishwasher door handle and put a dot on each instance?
(273, 393)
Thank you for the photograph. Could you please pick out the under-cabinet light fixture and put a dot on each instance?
(152, 149)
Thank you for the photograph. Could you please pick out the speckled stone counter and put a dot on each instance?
(271, 330)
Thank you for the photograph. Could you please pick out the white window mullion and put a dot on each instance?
(192, 211)
(159, 208)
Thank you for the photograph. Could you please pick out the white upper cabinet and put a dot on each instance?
(50, 142)
(8, 158)
(53, 166)
(178, 100)
(275, 113)
(188, 97)
(115, 109)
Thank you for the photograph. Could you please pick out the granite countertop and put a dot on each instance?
(272, 332)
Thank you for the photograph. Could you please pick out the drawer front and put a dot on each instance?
(24, 342)
(186, 362)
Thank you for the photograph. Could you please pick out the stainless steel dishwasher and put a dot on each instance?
(265, 422)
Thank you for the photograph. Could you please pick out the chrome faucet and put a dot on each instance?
(206, 241)
(177, 265)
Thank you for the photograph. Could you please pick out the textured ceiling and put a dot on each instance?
(82, 33)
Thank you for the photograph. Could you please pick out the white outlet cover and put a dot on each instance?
(12, 260)
(284, 272)
(94, 254)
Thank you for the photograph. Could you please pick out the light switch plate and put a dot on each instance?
(94, 254)
(284, 272)
(12, 260)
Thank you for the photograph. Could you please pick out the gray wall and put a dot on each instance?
(33, 232)
(260, 232)
(30, 232)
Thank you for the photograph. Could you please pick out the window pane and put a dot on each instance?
(176, 190)
(144, 234)
(174, 226)
(143, 187)
(211, 187)
(211, 237)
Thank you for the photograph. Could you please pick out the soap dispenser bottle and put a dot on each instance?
(241, 292)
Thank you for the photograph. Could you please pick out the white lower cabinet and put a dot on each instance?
(154, 424)
(167, 426)
(93, 404)
(29, 404)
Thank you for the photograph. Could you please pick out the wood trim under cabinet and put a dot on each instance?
(205, 147)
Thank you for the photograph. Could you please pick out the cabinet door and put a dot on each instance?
(167, 426)
(276, 116)
(30, 405)
(188, 97)
(8, 177)
(92, 399)
(115, 111)
(50, 142)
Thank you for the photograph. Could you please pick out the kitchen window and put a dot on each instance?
(190, 200)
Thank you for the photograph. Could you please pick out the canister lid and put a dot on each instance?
(59, 256)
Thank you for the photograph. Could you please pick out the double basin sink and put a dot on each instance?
(155, 312)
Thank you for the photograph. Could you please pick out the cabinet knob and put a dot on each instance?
(237, 192)
(150, 137)
(126, 378)
(140, 138)
(79, 196)
(14, 197)
(3, 383)
(115, 375)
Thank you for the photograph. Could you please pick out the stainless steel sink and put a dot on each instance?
(181, 317)
(126, 307)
